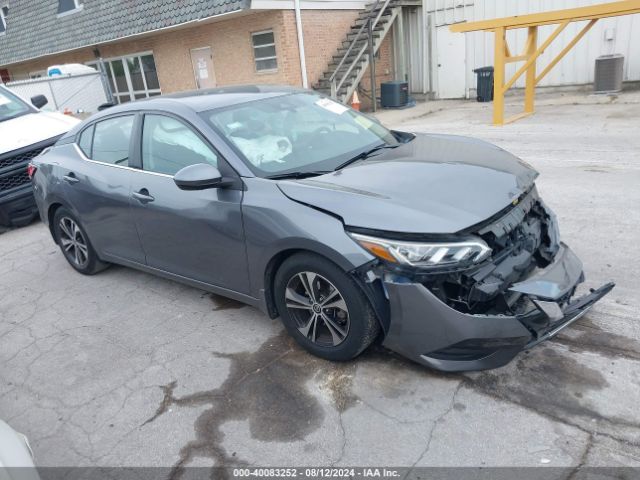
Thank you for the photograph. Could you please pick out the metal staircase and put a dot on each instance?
(346, 69)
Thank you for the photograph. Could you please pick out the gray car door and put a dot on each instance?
(197, 234)
(97, 185)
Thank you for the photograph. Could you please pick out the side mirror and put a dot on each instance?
(200, 177)
(39, 101)
(104, 106)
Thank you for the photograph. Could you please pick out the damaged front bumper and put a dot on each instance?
(425, 329)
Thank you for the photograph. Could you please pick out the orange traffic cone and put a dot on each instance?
(355, 101)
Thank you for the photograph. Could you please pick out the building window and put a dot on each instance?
(264, 51)
(132, 77)
(66, 7)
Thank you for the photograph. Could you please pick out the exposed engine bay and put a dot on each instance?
(522, 239)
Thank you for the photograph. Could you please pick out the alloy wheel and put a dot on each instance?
(73, 243)
(318, 308)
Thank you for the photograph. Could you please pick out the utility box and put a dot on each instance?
(609, 73)
(394, 94)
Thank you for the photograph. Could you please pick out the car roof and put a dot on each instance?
(209, 99)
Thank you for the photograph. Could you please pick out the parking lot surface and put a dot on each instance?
(125, 369)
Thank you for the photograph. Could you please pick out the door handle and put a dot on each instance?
(71, 178)
(143, 196)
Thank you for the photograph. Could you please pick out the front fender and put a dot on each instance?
(275, 224)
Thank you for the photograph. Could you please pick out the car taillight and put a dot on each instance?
(31, 170)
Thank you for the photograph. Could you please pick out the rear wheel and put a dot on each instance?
(74, 243)
(323, 308)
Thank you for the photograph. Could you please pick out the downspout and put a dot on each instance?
(303, 61)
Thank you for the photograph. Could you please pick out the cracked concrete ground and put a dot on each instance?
(124, 369)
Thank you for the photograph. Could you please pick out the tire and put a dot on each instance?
(74, 243)
(324, 326)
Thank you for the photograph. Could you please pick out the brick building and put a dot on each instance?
(160, 46)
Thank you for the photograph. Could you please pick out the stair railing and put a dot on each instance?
(369, 25)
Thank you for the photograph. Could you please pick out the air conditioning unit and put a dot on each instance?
(608, 74)
(394, 94)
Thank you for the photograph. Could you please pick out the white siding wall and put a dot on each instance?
(576, 68)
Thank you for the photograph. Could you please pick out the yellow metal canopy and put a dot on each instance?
(531, 50)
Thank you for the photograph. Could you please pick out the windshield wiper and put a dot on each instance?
(296, 175)
(366, 154)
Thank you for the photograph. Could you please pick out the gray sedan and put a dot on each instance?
(437, 246)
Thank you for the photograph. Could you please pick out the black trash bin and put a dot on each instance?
(485, 84)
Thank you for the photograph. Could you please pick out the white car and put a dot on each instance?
(25, 131)
(16, 457)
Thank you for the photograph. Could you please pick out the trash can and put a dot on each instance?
(485, 84)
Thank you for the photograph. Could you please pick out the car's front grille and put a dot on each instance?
(13, 165)
(14, 180)
(22, 157)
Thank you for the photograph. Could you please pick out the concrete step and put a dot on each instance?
(325, 83)
(376, 34)
(358, 23)
(367, 13)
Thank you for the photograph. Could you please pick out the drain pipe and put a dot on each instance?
(303, 60)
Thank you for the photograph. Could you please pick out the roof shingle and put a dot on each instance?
(34, 29)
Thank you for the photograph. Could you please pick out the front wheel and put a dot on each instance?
(74, 243)
(323, 308)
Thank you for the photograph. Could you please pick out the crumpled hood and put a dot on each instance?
(32, 128)
(433, 184)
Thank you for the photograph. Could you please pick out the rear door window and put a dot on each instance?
(86, 141)
(111, 140)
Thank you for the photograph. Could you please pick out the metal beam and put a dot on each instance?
(566, 49)
(603, 10)
(498, 76)
(530, 85)
(533, 56)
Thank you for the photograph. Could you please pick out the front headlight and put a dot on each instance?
(425, 254)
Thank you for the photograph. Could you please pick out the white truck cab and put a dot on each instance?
(25, 131)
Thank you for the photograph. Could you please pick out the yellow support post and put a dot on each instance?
(534, 56)
(502, 53)
(530, 86)
(498, 76)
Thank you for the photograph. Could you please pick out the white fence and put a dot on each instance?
(76, 93)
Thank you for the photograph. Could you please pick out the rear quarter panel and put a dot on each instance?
(47, 187)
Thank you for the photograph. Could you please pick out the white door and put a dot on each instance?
(450, 63)
(202, 62)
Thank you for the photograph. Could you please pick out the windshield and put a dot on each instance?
(301, 132)
(11, 106)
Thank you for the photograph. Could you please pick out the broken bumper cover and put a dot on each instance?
(428, 331)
